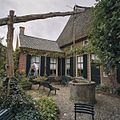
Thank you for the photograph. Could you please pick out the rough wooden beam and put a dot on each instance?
(10, 62)
(26, 18)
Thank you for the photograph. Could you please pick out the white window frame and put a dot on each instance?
(66, 66)
(85, 42)
(54, 63)
(37, 63)
(81, 63)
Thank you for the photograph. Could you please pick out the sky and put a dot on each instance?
(46, 28)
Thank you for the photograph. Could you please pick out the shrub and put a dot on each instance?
(25, 83)
(117, 92)
(23, 106)
(103, 88)
(48, 108)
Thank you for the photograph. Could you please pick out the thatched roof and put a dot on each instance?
(76, 27)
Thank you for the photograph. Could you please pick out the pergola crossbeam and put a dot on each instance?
(26, 18)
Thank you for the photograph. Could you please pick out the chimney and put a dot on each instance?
(22, 29)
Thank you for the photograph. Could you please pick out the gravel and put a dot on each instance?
(106, 108)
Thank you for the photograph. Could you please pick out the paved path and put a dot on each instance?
(107, 107)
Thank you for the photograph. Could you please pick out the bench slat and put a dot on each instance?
(6, 114)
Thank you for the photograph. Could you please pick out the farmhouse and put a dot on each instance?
(68, 55)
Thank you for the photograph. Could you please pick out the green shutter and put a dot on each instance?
(42, 65)
(63, 66)
(118, 73)
(48, 66)
(59, 66)
(85, 66)
(28, 64)
(74, 66)
(71, 66)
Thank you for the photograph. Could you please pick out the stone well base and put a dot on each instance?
(83, 91)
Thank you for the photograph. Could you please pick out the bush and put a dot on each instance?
(103, 88)
(23, 106)
(25, 83)
(117, 92)
(48, 108)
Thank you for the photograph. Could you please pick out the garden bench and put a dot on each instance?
(44, 83)
(49, 86)
(38, 82)
(6, 114)
(64, 80)
(84, 108)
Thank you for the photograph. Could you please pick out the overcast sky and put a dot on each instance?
(47, 28)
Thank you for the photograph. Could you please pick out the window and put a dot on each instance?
(94, 57)
(105, 74)
(53, 65)
(85, 42)
(68, 66)
(79, 66)
(36, 62)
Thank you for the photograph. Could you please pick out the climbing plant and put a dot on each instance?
(105, 34)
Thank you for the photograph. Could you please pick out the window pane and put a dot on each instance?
(68, 66)
(51, 60)
(78, 59)
(81, 66)
(37, 59)
(33, 59)
(93, 57)
(81, 59)
(68, 60)
(54, 60)
(51, 66)
(78, 66)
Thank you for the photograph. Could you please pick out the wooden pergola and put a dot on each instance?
(11, 19)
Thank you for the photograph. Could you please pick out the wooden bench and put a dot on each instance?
(6, 114)
(84, 108)
(46, 84)
(49, 86)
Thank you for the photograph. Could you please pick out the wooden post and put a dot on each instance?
(89, 64)
(10, 63)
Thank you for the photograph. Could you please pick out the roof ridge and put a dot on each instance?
(78, 6)
(38, 38)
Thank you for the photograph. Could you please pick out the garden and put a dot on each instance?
(25, 99)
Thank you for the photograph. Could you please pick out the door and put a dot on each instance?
(118, 73)
(95, 73)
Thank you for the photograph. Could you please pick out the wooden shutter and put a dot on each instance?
(85, 66)
(59, 66)
(71, 66)
(63, 66)
(118, 73)
(74, 66)
(28, 63)
(48, 66)
(42, 65)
